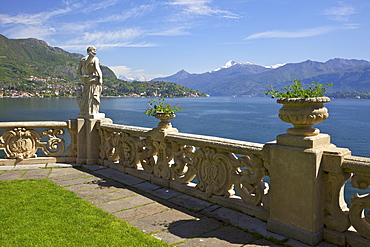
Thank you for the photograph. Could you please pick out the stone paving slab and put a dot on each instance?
(141, 212)
(187, 229)
(124, 203)
(63, 172)
(36, 174)
(29, 167)
(119, 176)
(11, 175)
(82, 187)
(161, 221)
(5, 168)
(94, 167)
(101, 186)
(165, 193)
(71, 176)
(58, 165)
(98, 190)
(222, 237)
(77, 181)
(239, 219)
(110, 196)
(190, 202)
(263, 242)
(147, 187)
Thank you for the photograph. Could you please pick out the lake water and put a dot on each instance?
(247, 119)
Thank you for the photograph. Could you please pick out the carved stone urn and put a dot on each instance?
(303, 113)
(164, 124)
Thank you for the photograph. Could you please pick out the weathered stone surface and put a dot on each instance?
(147, 187)
(63, 172)
(263, 242)
(11, 175)
(71, 176)
(110, 196)
(141, 212)
(239, 219)
(77, 181)
(165, 193)
(187, 229)
(82, 187)
(5, 168)
(225, 236)
(161, 221)
(190, 202)
(93, 167)
(29, 167)
(125, 203)
(58, 165)
(119, 176)
(36, 174)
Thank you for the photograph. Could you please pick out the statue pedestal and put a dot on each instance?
(93, 116)
(88, 139)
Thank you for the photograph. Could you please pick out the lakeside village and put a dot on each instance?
(40, 87)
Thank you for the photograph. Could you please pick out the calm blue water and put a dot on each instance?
(248, 119)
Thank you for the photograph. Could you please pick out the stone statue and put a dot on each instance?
(91, 75)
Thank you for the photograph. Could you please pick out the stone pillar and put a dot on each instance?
(88, 139)
(297, 186)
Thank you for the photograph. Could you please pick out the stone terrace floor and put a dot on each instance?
(176, 218)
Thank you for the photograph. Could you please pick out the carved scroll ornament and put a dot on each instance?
(109, 145)
(21, 143)
(359, 203)
(182, 169)
(249, 184)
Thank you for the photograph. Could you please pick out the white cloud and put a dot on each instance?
(33, 31)
(203, 7)
(122, 70)
(32, 19)
(108, 39)
(303, 33)
(131, 74)
(340, 13)
(90, 7)
(100, 46)
(176, 31)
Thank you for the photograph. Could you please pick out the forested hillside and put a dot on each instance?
(30, 67)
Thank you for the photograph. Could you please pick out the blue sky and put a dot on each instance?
(152, 38)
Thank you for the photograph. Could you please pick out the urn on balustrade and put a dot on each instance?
(164, 124)
(303, 113)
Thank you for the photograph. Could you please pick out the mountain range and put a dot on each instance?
(248, 79)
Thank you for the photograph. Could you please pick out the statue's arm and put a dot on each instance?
(98, 70)
(79, 68)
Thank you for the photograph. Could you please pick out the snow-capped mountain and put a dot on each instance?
(137, 78)
(275, 66)
(233, 63)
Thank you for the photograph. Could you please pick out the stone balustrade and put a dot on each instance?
(295, 184)
(21, 142)
(219, 170)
